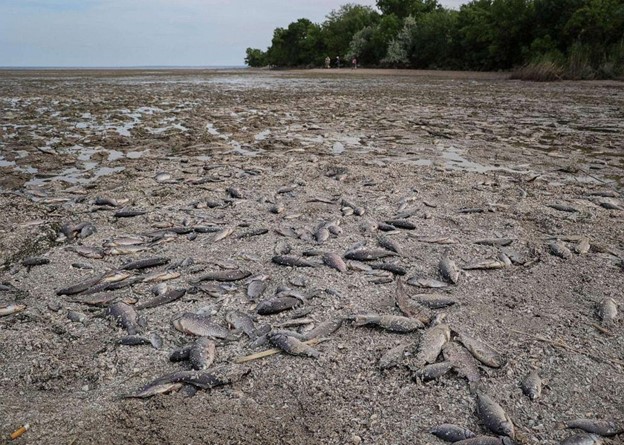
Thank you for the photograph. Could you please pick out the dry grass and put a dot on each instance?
(545, 71)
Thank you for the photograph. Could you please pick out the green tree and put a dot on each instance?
(297, 45)
(255, 58)
(342, 24)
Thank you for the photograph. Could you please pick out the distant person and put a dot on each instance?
(353, 63)
(337, 61)
(327, 62)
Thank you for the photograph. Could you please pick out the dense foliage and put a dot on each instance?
(577, 38)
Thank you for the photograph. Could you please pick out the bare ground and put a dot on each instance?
(434, 144)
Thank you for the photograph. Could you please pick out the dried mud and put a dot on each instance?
(378, 139)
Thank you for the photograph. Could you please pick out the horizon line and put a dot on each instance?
(17, 67)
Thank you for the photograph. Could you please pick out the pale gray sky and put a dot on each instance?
(148, 32)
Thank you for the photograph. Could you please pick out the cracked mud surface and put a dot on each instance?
(388, 142)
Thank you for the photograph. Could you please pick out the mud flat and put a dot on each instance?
(235, 168)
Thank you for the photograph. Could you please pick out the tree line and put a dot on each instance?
(565, 38)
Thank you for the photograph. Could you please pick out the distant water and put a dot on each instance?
(147, 67)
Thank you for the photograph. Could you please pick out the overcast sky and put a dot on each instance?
(148, 32)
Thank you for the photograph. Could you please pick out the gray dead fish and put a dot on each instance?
(162, 177)
(433, 371)
(494, 416)
(601, 427)
(335, 261)
(124, 316)
(95, 253)
(103, 201)
(557, 248)
(395, 356)
(277, 304)
(322, 234)
(390, 267)
(532, 385)
(234, 193)
(200, 379)
(464, 363)
(201, 326)
(431, 344)
(324, 329)
(161, 276)
(125, 250)
(469, 210)
(10, 308)
(607, 310)
(97, 299)
(128, 213)
(256, 287)
(291, 261)
(609, 204)
(242, 322)
(368, 254)
(582, 247)
(497, 242)
(81, 286)
(426, 283)
(392, 323)
(253, 232)
(563, 208)
(438, 240)
(202, 353)
(223, 234)
(434, 301)
(583, 439)
(481, 440)
(390, 244)
(451, 433)
(145, 263)
(401, 224)
(35, 261)
(481, 351)
(292, 346)
(449, 270)
(152, 339)
(165, 298)
(223, 276)
(485, 265)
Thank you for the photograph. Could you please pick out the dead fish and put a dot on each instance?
(324, 329)
(392, 323)
(563, 208)
(165, 298)
(223, 276)
(582, 247)
(95, 253)
(125, 250)
(145, 263)
(497, 242)
(234, 193)
(390, 244)
(502, 256)
(161, 276)
(127, 212)
(607, 310)
(335, 261)
(426, 282)
(243, 323)
(359, 211)
(103, 201)
(368, 254)
(390, 267)
(433, 371)
(35, 261)
(292, 346)
(434, 301)
(162, 177)
(394, 356)
(200, 325)
(124, 316)
(557, 248)
(97, 300)
(153, 339)
(409, 307)
(81, 286)
(451, 433)
(431, 344)
(322, 234)
(449, 270)
(401, 224)
(438, 240)
(10, 308)
(207, 229)
(469, 210)
(223, 234)
(291, 261)
(481, 440)
(277, 209)
(485, 265)
(583, 439)
(112, 285)
(202, 353)
(494, 416)
(277, 304)
(609, 204)
(532, 385)
(253, 232)
(464, 363)
(481, 351)
(256, 287)
(200, 379)
(601, 427)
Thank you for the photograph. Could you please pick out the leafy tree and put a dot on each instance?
(255, 58)
(297, 45)
(404, 8)
(342, 24)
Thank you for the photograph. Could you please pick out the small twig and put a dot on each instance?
(610, 360)
(269, 352)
